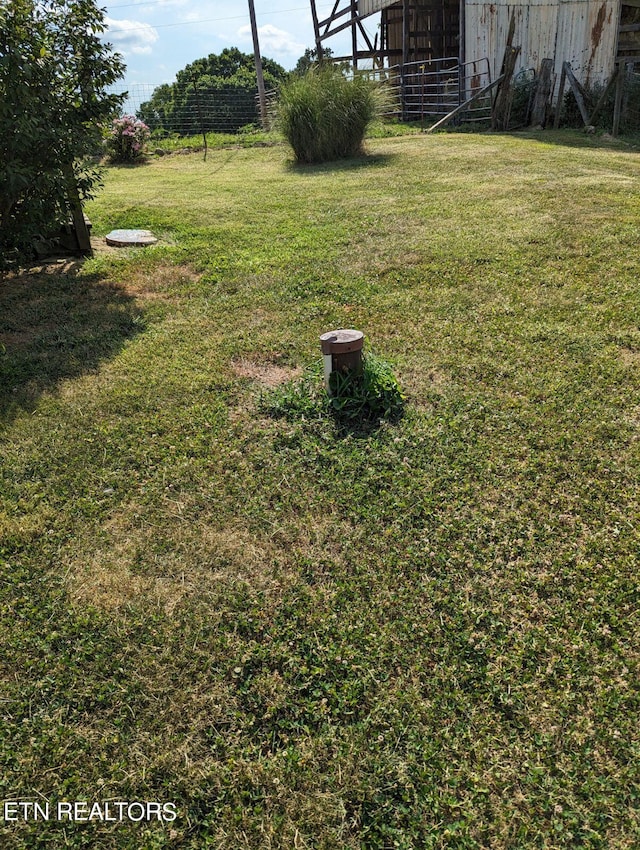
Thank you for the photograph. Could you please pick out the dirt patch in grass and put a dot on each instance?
(421, 385)
(48, 266)
(630, 356)
(265, 372)
(22, 339)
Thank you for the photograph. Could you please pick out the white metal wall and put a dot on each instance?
(368, 7)
(582, 32)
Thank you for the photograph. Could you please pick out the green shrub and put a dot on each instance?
(55, 74)
(127, 139)
(523, 91)
(324, 116)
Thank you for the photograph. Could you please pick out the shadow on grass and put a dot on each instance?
(577, 138)
(55, 326)
(117, 165)
(361, 428)
(352, 164)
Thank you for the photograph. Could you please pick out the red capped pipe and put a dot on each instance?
(341, 352)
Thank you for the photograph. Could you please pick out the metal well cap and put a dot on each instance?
(341, 341)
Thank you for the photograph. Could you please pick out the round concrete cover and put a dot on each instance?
(127, 238)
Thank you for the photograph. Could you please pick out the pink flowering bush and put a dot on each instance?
(127, 139)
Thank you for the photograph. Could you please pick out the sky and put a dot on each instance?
(157, 38)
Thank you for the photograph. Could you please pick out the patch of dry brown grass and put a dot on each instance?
(153, 281)
(170, 560)
(267, 371)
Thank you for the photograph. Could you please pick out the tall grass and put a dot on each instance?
(324, 116)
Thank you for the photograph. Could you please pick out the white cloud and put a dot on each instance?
(131, 37)
(273, 40)
(166, 3)
(194, 17)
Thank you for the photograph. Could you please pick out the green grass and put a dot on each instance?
(378, 129)
(418, 635)
(251, 138)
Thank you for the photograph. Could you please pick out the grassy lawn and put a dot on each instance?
(254, 137)
(423, 634)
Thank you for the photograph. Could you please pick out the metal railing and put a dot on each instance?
(431, 90)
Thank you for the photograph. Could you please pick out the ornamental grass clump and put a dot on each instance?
(324, 115)
(127, 139)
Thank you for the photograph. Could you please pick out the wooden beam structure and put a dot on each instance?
(408, 31)
(578, 93)
(348, 14)
(544, 92)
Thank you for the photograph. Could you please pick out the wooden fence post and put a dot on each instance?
(626, 94)
(578, 93)
(501, 111)
(79, 224)
(603, 97)
(560, 101)
(258, 63)
(544, 88)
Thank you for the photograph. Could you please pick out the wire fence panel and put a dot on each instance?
(417, 91)
(630, 111)
(387, 79)
(192, 109)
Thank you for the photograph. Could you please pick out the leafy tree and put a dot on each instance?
(310, 59)
(214, 93)
(54, 75)
(227, 64)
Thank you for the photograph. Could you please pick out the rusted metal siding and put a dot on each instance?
(487, 27)
(587, 38)
(582, 32)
